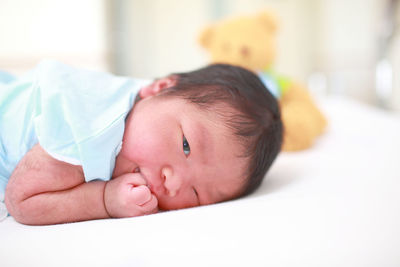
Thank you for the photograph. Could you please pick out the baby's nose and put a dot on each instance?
(172, 181)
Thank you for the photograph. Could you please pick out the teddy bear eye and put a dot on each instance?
(244, 50)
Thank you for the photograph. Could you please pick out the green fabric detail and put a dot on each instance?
(282, 81)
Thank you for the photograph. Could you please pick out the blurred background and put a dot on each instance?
(336, 47)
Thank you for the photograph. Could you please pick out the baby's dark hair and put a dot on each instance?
(256, 120)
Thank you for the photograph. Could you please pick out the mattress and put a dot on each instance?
(335, 204)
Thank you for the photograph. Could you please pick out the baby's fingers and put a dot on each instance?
(151, 206)
(133, 178)
(140, 194)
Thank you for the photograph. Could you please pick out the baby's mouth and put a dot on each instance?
(149, 185)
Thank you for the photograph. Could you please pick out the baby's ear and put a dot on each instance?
(157, 86)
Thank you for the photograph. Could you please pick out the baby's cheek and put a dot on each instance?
(144, 149)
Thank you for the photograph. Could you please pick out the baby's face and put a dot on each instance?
(187, 156)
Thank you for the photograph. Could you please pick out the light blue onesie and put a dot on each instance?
(77, 116)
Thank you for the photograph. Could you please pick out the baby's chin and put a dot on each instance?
(166, 202)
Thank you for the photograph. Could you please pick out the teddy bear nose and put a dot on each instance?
(244, 51)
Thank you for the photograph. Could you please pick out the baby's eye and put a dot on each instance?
(186, 147)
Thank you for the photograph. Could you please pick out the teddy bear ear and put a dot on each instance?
(206, 36)
(269, 20)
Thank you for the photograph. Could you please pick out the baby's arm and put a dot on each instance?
(43, 190)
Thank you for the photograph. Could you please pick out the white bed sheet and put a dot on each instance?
(337, 204)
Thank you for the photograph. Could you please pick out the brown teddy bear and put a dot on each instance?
(249, 41)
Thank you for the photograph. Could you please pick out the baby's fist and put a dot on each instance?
(128, 196)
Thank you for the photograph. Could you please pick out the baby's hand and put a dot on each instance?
(128, 196)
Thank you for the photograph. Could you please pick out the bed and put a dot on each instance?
(336, 204)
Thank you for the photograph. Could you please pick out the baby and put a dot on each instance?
(79, 145)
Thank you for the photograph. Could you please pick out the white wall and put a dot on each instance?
(163, 34)
(69, 30)
(159, 37)
(333, 43)
(394, 100)
(346, 46)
